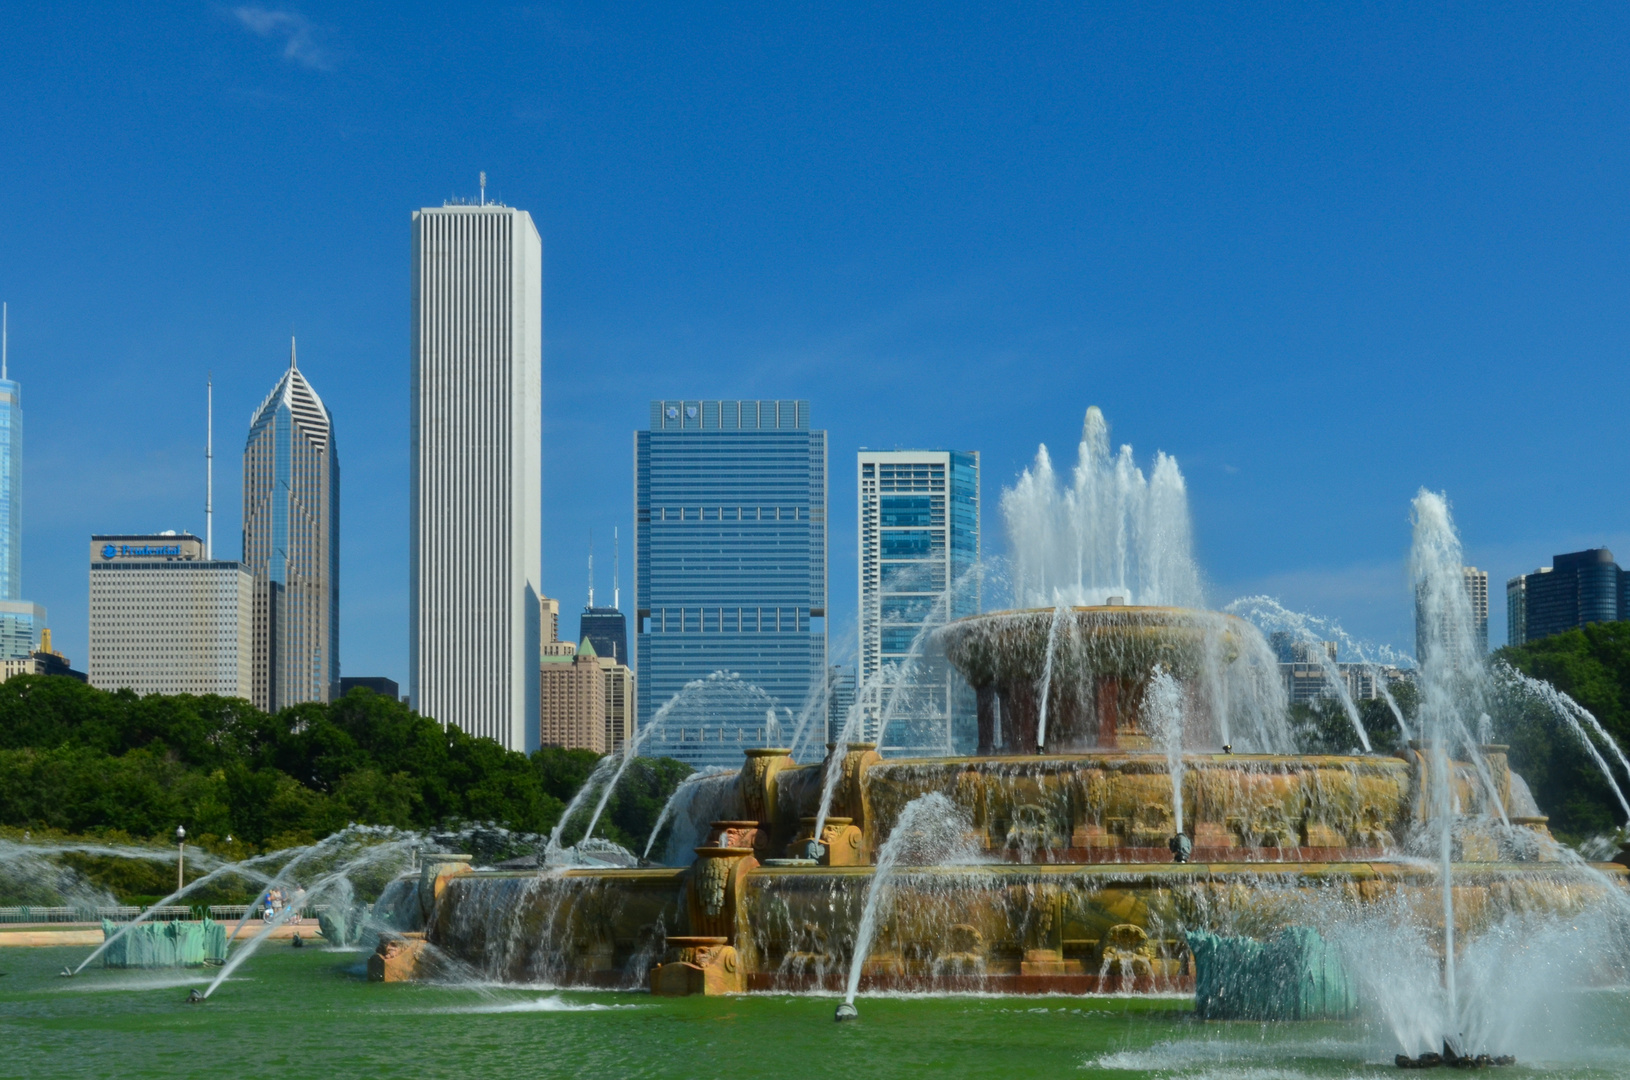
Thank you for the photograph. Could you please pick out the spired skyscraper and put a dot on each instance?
(730, 535)
(20, 621)
(475, 556)
(291, 544)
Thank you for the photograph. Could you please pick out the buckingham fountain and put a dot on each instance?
(1136, 819)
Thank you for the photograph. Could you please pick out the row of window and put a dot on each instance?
(727, 513)
(725, 620)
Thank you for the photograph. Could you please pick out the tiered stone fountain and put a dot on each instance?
(1080, 889)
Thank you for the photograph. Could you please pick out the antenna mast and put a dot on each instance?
(209, 472)
(5, 334)
(591, 568)
(616, 569)
(483, 188)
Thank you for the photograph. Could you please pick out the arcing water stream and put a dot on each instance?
(931, 831)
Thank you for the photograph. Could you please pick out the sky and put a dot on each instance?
(1325, 255)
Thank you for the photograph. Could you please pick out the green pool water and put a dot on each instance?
(309, 1014)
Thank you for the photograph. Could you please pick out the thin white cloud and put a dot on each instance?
(290, 27)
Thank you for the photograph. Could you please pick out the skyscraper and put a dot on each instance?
(20, 620)
(1577, 588)
(475, 544)
(291, 544)
(167, 619)
(1477, 595)
(730, 536)
(918, 538)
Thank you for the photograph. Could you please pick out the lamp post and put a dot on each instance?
(180, 858)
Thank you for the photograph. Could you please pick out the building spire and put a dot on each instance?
(292, 365)
(209, 470)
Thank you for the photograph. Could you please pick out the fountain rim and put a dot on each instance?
(1153, 611)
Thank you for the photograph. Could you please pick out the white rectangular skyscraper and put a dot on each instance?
(477, 404)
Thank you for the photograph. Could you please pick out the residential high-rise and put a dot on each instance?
(1579, 587)
(918, 538)
(572, 700)
(1477, 594)
(21, 622)
(730, 540)
(567, 706)
(476, 495)
(291, 544)
(164, 619)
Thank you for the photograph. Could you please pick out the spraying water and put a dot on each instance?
(1452, 683)
(931, 831)
(1163, 713)
(1112, 532)
(1044, 692)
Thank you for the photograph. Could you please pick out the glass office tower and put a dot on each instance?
(730, 523)
(919, 542)
(20, 620)
(1578, 588)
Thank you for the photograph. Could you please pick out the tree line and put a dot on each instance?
(74, 759)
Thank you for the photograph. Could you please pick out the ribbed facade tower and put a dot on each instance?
(291, 544)
(475, 559)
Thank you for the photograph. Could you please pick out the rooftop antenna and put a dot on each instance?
(483, 189)
(616, 569)
(5, 334)
(209, 471)
(591, 568)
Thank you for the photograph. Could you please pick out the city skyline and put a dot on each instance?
(1244, 268)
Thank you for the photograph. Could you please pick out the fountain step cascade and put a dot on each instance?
(1076, 890)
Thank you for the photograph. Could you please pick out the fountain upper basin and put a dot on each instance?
(1090, 668)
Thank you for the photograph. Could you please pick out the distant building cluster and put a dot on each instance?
(1310, 671)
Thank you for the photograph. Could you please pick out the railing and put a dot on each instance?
(127, 913)
(31, 914)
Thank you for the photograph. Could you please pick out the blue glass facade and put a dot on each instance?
(21, 622)
(919, 542)
(11, 494)
(730, 521)
(1579, 587)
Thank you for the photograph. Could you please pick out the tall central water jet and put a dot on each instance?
(1112, 533)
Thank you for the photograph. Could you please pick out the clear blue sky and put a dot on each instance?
(1324, 256)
